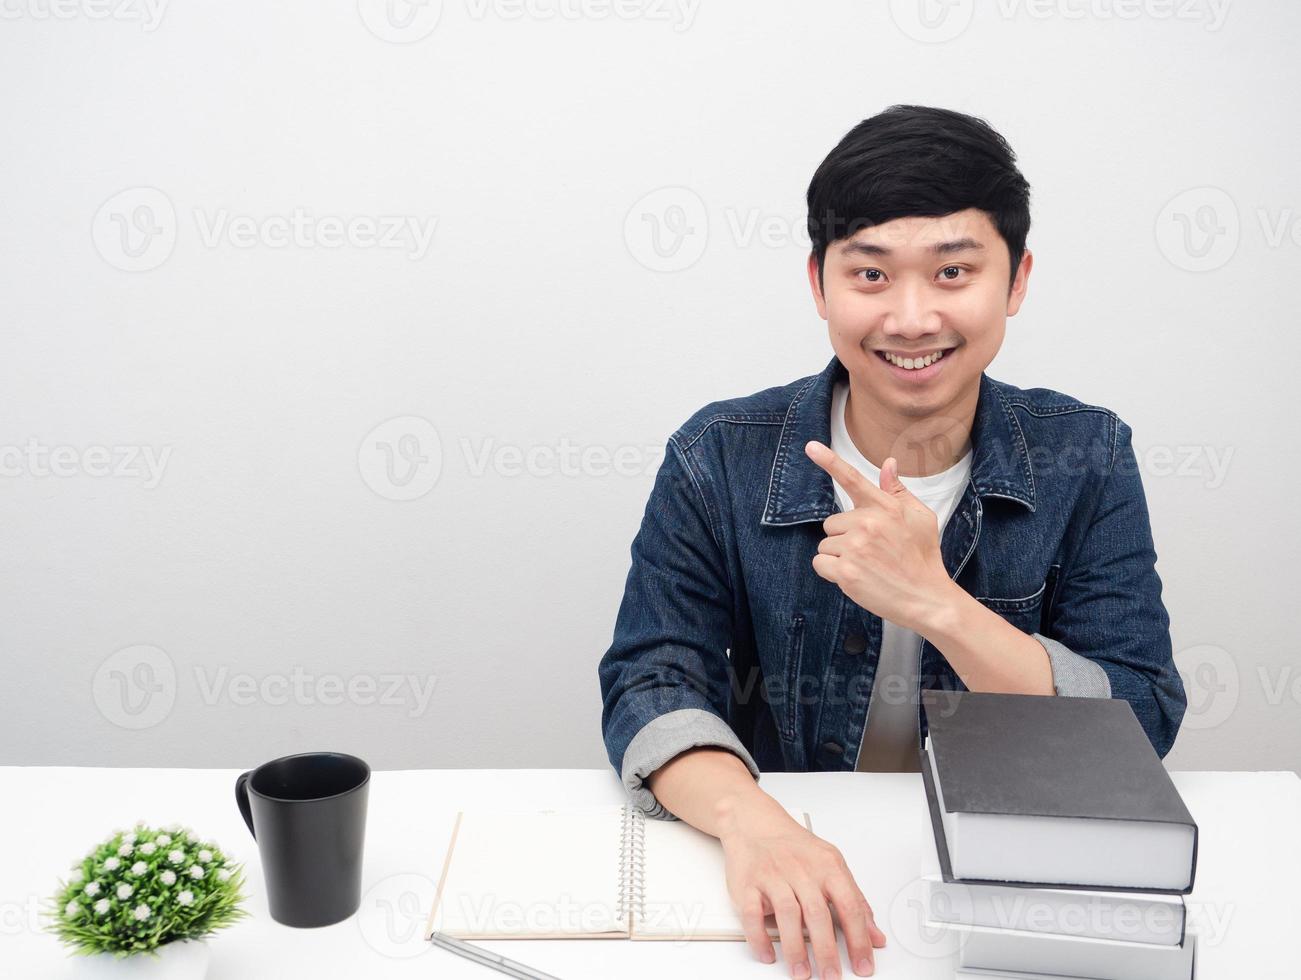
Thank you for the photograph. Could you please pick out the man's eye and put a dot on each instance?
(950, 269)
(871, 275)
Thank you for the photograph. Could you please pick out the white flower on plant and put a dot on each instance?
(126, 849)
(101, 906)
(176, 857)
(196, 871)
(205, 856)
(71, 909)
(124, 891)
(141, 912)
(139, 868)
(148, 847)
(76, 874)
(111, 864)
(168, 876)
(129, 838)
(223, 874)
(162, 840)
(192, 837)
(185, 898)
(92, 888)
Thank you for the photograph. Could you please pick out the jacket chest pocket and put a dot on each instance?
(1026, 612)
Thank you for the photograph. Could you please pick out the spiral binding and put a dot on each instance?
(632, 864)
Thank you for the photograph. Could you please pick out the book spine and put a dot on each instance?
(632, 865)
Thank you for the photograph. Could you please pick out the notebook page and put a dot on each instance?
(684, 893)
(531, 874)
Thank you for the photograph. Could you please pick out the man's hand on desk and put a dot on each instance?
(774, 864)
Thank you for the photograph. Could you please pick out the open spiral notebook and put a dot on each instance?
(573, 873)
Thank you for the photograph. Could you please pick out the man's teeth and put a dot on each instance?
(911, 363)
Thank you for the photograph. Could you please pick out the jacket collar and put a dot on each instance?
(801, 491)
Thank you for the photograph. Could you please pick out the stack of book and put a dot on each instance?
(1063, 847)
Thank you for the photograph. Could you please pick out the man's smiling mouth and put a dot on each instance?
(914, 361)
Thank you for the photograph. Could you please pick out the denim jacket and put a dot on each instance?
(727, 637)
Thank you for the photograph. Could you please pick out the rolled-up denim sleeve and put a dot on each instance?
(1074, 676)
(1107, 612)
(665, 680)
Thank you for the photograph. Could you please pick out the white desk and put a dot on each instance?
(1249, 863)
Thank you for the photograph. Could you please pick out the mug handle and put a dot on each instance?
(241, 800)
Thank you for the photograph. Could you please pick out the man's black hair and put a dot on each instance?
(913, 160)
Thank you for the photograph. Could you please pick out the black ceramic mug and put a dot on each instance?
(308, 815)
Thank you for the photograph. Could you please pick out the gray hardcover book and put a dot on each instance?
(1034, 790)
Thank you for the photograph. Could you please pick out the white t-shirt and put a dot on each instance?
(890, 743)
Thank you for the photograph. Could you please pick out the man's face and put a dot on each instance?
(914, 287)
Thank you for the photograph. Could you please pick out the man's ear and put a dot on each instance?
(1016, 295)
(819, 300)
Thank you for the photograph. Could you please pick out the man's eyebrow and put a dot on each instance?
(939, 248)
(957, 245)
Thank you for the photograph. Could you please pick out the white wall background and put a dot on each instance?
(150, 305)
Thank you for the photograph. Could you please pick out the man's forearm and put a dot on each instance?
(986, 651)
(704, 786)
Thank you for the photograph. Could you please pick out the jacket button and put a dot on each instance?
(831, 749)
(855, 642)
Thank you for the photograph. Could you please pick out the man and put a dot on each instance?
(815, 554)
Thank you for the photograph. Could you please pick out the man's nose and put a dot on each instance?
(914, 314)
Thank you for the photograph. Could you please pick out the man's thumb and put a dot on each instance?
(890, 481)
